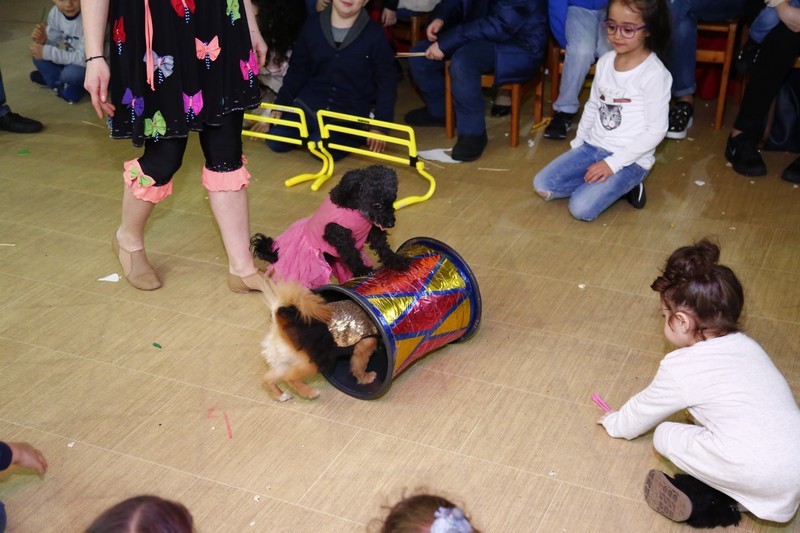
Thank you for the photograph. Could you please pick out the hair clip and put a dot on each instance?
(450, 520)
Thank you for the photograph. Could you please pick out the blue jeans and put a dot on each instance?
(4, 109)
(766, 20)
(682, 58)
(313, 134)
(563, 178)
(67, 80)
(2, 507)
(586, 40)
(467, 65)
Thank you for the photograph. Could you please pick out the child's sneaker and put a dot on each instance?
(680, 120)
(747, 57)
(665, 498)
(559, 125)
(38, 79)
(637, 197)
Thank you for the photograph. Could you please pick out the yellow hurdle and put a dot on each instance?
(320, 149)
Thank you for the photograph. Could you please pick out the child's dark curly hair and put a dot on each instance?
(280, 22)
(695, 283)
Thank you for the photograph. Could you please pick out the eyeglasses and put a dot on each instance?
(627, 30)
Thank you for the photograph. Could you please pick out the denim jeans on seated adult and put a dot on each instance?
(4, 109)
(681, 55)
(313, 134)
(563, 178)
(467, 66)
(67, 79)
(586, 41)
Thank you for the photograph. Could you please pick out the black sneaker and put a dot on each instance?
(680, 120)
(747, 57)
(38, 79)
(744, 156)
(792, 172)
(469, 147)
(559, 125)
(500, 110)
(422, 117)
(637, 197)
(18, 124)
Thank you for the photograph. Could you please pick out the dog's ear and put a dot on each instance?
(346, 193)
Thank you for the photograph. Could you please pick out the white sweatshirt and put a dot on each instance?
(65, 44)
(627, 113)
(746, 441)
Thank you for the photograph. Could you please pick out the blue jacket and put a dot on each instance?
(518, 27)
(347, 79)
(558, 15)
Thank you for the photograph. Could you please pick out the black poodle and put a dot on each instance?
(331, 241)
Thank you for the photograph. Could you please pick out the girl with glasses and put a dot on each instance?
(624, 119)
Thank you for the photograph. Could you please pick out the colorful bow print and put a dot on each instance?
(249, 67)
(207, 51)
(193, 104)
(136, 103)
(153, 127)
(140, 178)
(118, 32)
(163, 65)
(233, 10)
(183, 7)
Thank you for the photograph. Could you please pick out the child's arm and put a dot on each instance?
(589, 115)
(22, 454)
(301, 64)
(385, 83)
(61, 32)
(38, 35)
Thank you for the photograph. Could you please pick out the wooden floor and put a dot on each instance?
(131, 392)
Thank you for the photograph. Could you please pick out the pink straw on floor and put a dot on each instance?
(599, 401)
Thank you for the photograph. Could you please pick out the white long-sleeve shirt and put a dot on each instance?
(65, 44)
(627, 113)
(746, 441)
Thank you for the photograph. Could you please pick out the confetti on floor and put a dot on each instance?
(111, 277)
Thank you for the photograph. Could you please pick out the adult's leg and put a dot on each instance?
(12, 121)
(4, 109)
(226, 179)
(591, 199)
(583, 43)
(429, 77)
(466, 67)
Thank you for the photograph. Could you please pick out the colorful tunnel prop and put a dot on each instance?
(330, 121)
(433, 303)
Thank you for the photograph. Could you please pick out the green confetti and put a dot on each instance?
(24, 152)
(156, 345)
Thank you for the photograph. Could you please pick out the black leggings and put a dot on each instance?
(222, 148)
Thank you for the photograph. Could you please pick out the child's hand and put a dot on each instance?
(388, 17)
(598, 173)
(433, 29)
(603, 418)
(37, 50)
(434, 53)
(39, 34)
(322, 4)
(376, 145)
(25, 455)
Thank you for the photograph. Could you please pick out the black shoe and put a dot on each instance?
(792, 172)
(422, 117)
(680, 120)
(747, 57)
(637, 196)
(38, 79)
(500, 110)
(744, 156)
(559, 125)
(18, 124)
(469, 147)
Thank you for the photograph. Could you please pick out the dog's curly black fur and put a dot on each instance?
(371, 191)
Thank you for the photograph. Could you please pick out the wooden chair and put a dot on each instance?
(487, 81)
(721, 57)
(410, 30)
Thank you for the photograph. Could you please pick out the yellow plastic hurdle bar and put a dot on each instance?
(409, 143)
(302, 127)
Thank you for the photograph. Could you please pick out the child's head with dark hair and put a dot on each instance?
(417, 514)
(144, 514)
(695, 284)
(279, 22)
(655, 15)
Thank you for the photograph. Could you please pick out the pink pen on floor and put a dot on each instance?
(599, 401)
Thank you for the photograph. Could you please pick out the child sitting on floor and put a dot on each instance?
(341, 62)
(741, 452)
(426, 513)
(58, 51)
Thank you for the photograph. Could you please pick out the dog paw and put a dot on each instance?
(284, 397)
(369, 377)
(312, 394)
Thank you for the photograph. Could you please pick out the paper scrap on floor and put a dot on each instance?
(437, 154)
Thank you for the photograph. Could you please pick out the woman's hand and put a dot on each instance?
(598, 173)
(388, 17)
(96, 84)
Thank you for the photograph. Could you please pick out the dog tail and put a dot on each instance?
(310, 306)
(263, 247)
